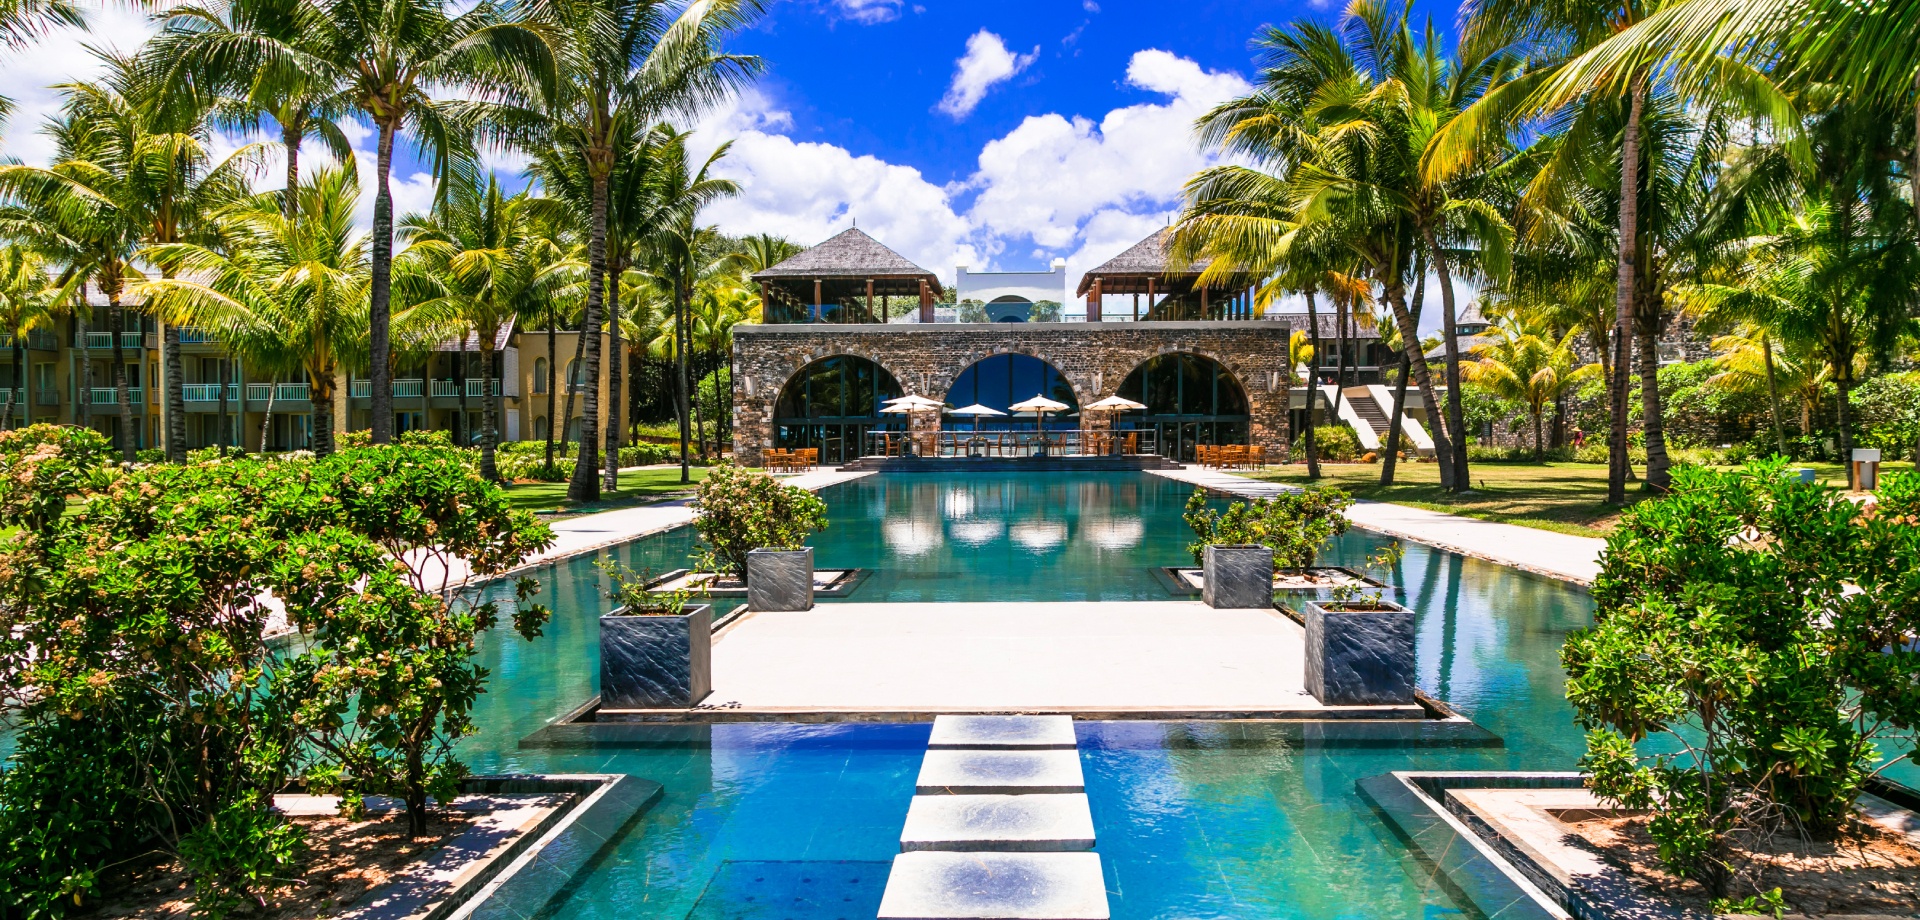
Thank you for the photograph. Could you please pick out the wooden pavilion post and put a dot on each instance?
(1149, 296)
(869, 299)
(1203, 304)
(816, 299)
(1094, 302)
(766, 306)
(926, 302)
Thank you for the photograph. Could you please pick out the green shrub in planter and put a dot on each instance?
(741, 510)
(1295, 525)
(1760, 626)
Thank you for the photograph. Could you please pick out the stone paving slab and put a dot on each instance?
(1030, 732)
(995, 886)
(1004, 823)
(999, 772)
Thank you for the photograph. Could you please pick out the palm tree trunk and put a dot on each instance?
(585, 486)
(1456, 414)
(176, 402)
(379, 314)
(1652, 419)
(616, 364)
(290, 134)
(266, 423)
(116, 318)
(1313, 384)
(1625, 285)
(489, 421)
(19, 379)
(1539, 447)
(1341, 311)
(220, 427)
(680, 369)
(1842, 386)
(1388, 464)
(1773, 394)
(460, 437)
(320, 395)
(553, 348)
(1422, 375)
(82, 317)
(579, 348)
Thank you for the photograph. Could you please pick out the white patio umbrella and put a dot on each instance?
(1039, 406)
(907, 405)
(976, 410)
(1115, 404)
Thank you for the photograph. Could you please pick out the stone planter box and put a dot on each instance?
(1237, 576)
(656, 662)
(780, 579)
(1359, 657)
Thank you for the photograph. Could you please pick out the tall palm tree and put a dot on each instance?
(26, 305)
(628, 63)
(262, 59)
(387, 58)
(482, 257)
(281, 288)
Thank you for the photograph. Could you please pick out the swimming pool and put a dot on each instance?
(1195, 820)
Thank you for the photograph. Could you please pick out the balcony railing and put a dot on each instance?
(279, 392)
(106, 395)
(1013, 443)
(194, 335)
(39, 340)
(208, 392)
(407, 388)
(475, 387)
(105, 340)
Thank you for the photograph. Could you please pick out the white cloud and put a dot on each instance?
(61, 57)
(868, 12)
(986, 64)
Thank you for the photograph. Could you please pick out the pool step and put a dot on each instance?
(1000, 827)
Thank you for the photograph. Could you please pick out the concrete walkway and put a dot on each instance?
(1163, 658)
(1543, 552)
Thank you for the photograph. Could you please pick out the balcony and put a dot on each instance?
(476, 387)
(194, 335)
(105, 340)
(208, 392)
(107, 396)
(38, 340)
(278, 392)
(408, 388)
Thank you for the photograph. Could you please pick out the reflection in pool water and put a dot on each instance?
(1195, 820)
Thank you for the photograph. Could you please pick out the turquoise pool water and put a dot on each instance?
(1196, 820)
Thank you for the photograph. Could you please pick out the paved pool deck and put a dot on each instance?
(1149, 659)
(1542, 552)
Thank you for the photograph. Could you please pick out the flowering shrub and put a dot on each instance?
(741, 510)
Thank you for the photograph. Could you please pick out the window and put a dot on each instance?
(540, 428)
(540, 377)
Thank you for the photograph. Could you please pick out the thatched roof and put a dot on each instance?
(851, 254)
(1147, 258)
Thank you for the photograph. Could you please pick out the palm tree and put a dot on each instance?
(485, 262)
(26, 305)
(386, 57)
(1531, 367)
(23, 21)
(628, 63)
(281, 288)
(262, 58)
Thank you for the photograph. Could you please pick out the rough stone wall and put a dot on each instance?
(1094, 358)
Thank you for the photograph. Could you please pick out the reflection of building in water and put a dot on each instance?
(1114, 533)
(910, 536)
(977, 531)
(1039, 535)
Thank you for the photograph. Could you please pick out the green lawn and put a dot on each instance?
(1562, 497)
(636, 487)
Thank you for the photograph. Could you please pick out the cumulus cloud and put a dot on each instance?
(987, 63)
(868, 12)
(62, 57)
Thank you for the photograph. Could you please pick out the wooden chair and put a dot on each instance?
(1133, 442)
(774, 460)
(1257, 457)
(810, 458)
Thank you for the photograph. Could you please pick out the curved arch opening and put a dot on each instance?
(831, 404)
(1190, 400)
(999, 381)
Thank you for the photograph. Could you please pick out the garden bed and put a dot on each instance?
(1871, 870)
(826, 583)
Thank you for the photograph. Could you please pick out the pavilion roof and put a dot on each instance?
(850, 254)
(1145, 259)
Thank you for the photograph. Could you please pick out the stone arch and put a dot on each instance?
(837, 404)
(1191, 399)
(1076, 376)
(1003, 378)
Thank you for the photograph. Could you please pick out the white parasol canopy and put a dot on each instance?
(912, 404)
(976, 410)
(1115, 403)
(1037, 405)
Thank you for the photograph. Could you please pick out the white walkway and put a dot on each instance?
(1152, 657)
(1543, 552)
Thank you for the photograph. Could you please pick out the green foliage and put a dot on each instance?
(42, 466)
(1699, 411)
(1887, 411)
(741, 510)
(1295, 525)
(241, 849)
(1335, 442)
(629, 590)
(1758, 624)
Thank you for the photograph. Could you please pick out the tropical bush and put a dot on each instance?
(741, 510)
(1334, 442)
(1762, 627)
(1887, 411)
(135, 610)
(1294, 525)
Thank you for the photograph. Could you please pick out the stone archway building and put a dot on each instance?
(925, 358)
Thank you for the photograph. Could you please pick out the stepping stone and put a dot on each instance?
(1002, 732)
(999, 773)
(1004, 823)
(995, 886)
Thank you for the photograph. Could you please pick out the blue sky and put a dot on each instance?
(994, 134)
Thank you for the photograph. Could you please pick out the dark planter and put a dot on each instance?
(1239, 575)
(656, 662)
(1359, 657)
(780, 579)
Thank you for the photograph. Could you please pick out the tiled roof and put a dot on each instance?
(852, 253)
